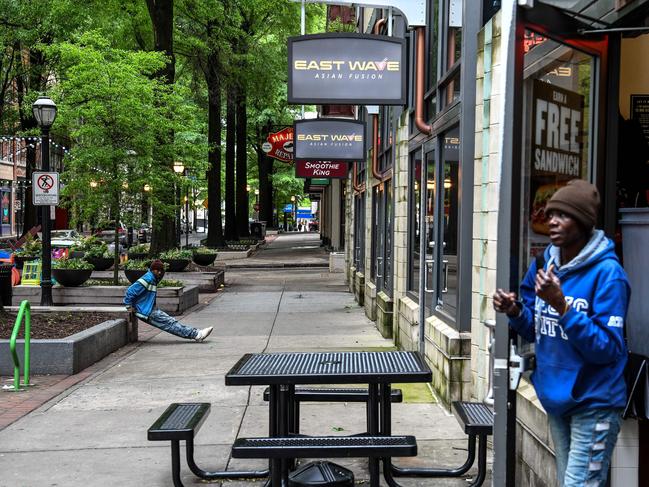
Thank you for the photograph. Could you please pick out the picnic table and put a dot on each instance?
(283, 371)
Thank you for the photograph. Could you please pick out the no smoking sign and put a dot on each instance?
(45, 188)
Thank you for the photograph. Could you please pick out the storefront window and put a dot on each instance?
(359, 232)
(5, 210)
(448, 283)
(414, 222)
(557, 143)
(429, 258)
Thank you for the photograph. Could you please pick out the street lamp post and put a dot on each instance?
(179, 168)
(44, 110)
(187, 219)
(294, 213)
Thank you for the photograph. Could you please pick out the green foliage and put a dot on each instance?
(176, 254)
(93, 247)
(32, 247)
(171, 283)
(71, 264)
(137, 264)
(140, 249)
(204, 251)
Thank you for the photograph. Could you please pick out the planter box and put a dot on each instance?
(173, 300)
(68, 355)
(233, 254)
(208, 280)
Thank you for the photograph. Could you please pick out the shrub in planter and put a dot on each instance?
(32, 249)
(134, 269)
(177, 259)
(204, 256)
(71, 272)
(138, 252)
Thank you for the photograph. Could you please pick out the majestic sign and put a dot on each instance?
(327, 139)
(556, 146)
(320, 169)
(279, 145)
(345, 68)
(45, 188)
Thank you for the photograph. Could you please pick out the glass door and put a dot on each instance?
(428, 183)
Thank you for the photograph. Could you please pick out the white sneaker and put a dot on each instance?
(203, 334)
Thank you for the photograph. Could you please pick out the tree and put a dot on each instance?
(162, 18)
(115, 111)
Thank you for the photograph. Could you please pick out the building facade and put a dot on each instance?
(424, 213)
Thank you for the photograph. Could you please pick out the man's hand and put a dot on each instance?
(129, 308)
(548, 287)
(505, 302)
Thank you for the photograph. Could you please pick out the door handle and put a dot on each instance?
(379, 259)
(445, 285)
(428, 263)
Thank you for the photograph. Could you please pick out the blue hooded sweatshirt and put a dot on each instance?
(580, 356)
(141, 295)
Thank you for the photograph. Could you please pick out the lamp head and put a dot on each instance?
(179, 167)
(44, 110)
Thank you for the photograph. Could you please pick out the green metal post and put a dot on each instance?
(24, 311)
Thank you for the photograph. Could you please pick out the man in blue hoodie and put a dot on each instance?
(140, 297)
(574, 308)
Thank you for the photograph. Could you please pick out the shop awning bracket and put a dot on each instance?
(613, 30)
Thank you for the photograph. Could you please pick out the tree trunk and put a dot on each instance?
(265, 169)
(34, 66)
(230, 140)
(214, 220)
(163, 235)
(242, 166)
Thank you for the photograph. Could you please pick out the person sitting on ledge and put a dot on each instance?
(140, 298)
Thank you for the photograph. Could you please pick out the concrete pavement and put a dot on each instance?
(94, 433)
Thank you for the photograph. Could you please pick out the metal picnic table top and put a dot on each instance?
(329, 368)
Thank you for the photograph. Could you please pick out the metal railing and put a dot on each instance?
(23, 312)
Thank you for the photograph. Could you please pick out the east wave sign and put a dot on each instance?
(329, 139)
(346, 68)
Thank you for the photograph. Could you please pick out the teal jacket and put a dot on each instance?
(141, 295)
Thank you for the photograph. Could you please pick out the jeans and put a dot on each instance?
(162, 320)
(583, 445)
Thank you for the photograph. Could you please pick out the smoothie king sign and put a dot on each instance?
(321, 169)
(345, 68)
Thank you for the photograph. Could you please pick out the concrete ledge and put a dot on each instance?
(68, 355)
(173, 300)
(359, 287)
(384, 306)
(369, 301)
(208, 280)
(406, 324)
(234, 254)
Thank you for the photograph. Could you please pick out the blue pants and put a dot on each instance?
(162, 320)
(583, 445)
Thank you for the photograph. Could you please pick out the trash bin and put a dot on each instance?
(5, 284)
(258, 230)
(322, 474)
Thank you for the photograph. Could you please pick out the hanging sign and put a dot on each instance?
(327, 139)
(346, 68)
(45, 188)
(640, 113)
(279, 145)
(320, 169)
(557, 148)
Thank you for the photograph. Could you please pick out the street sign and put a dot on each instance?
(329, 139)
(288, 208)
(321, 169)
(45, 188)
(281, 145)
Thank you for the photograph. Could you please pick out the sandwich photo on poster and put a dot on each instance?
(556, 146)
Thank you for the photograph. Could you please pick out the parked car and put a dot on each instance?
(107, 234)
(63, 238)
(144, 233)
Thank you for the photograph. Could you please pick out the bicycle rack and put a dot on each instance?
(23, 312)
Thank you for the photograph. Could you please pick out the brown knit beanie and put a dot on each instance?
(157, 265)
(579, 199)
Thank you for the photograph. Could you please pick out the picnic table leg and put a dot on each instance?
(206, 475)
(175, 463)
(373, 414)
(275, 419)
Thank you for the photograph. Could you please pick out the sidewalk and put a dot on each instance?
(94, 432)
